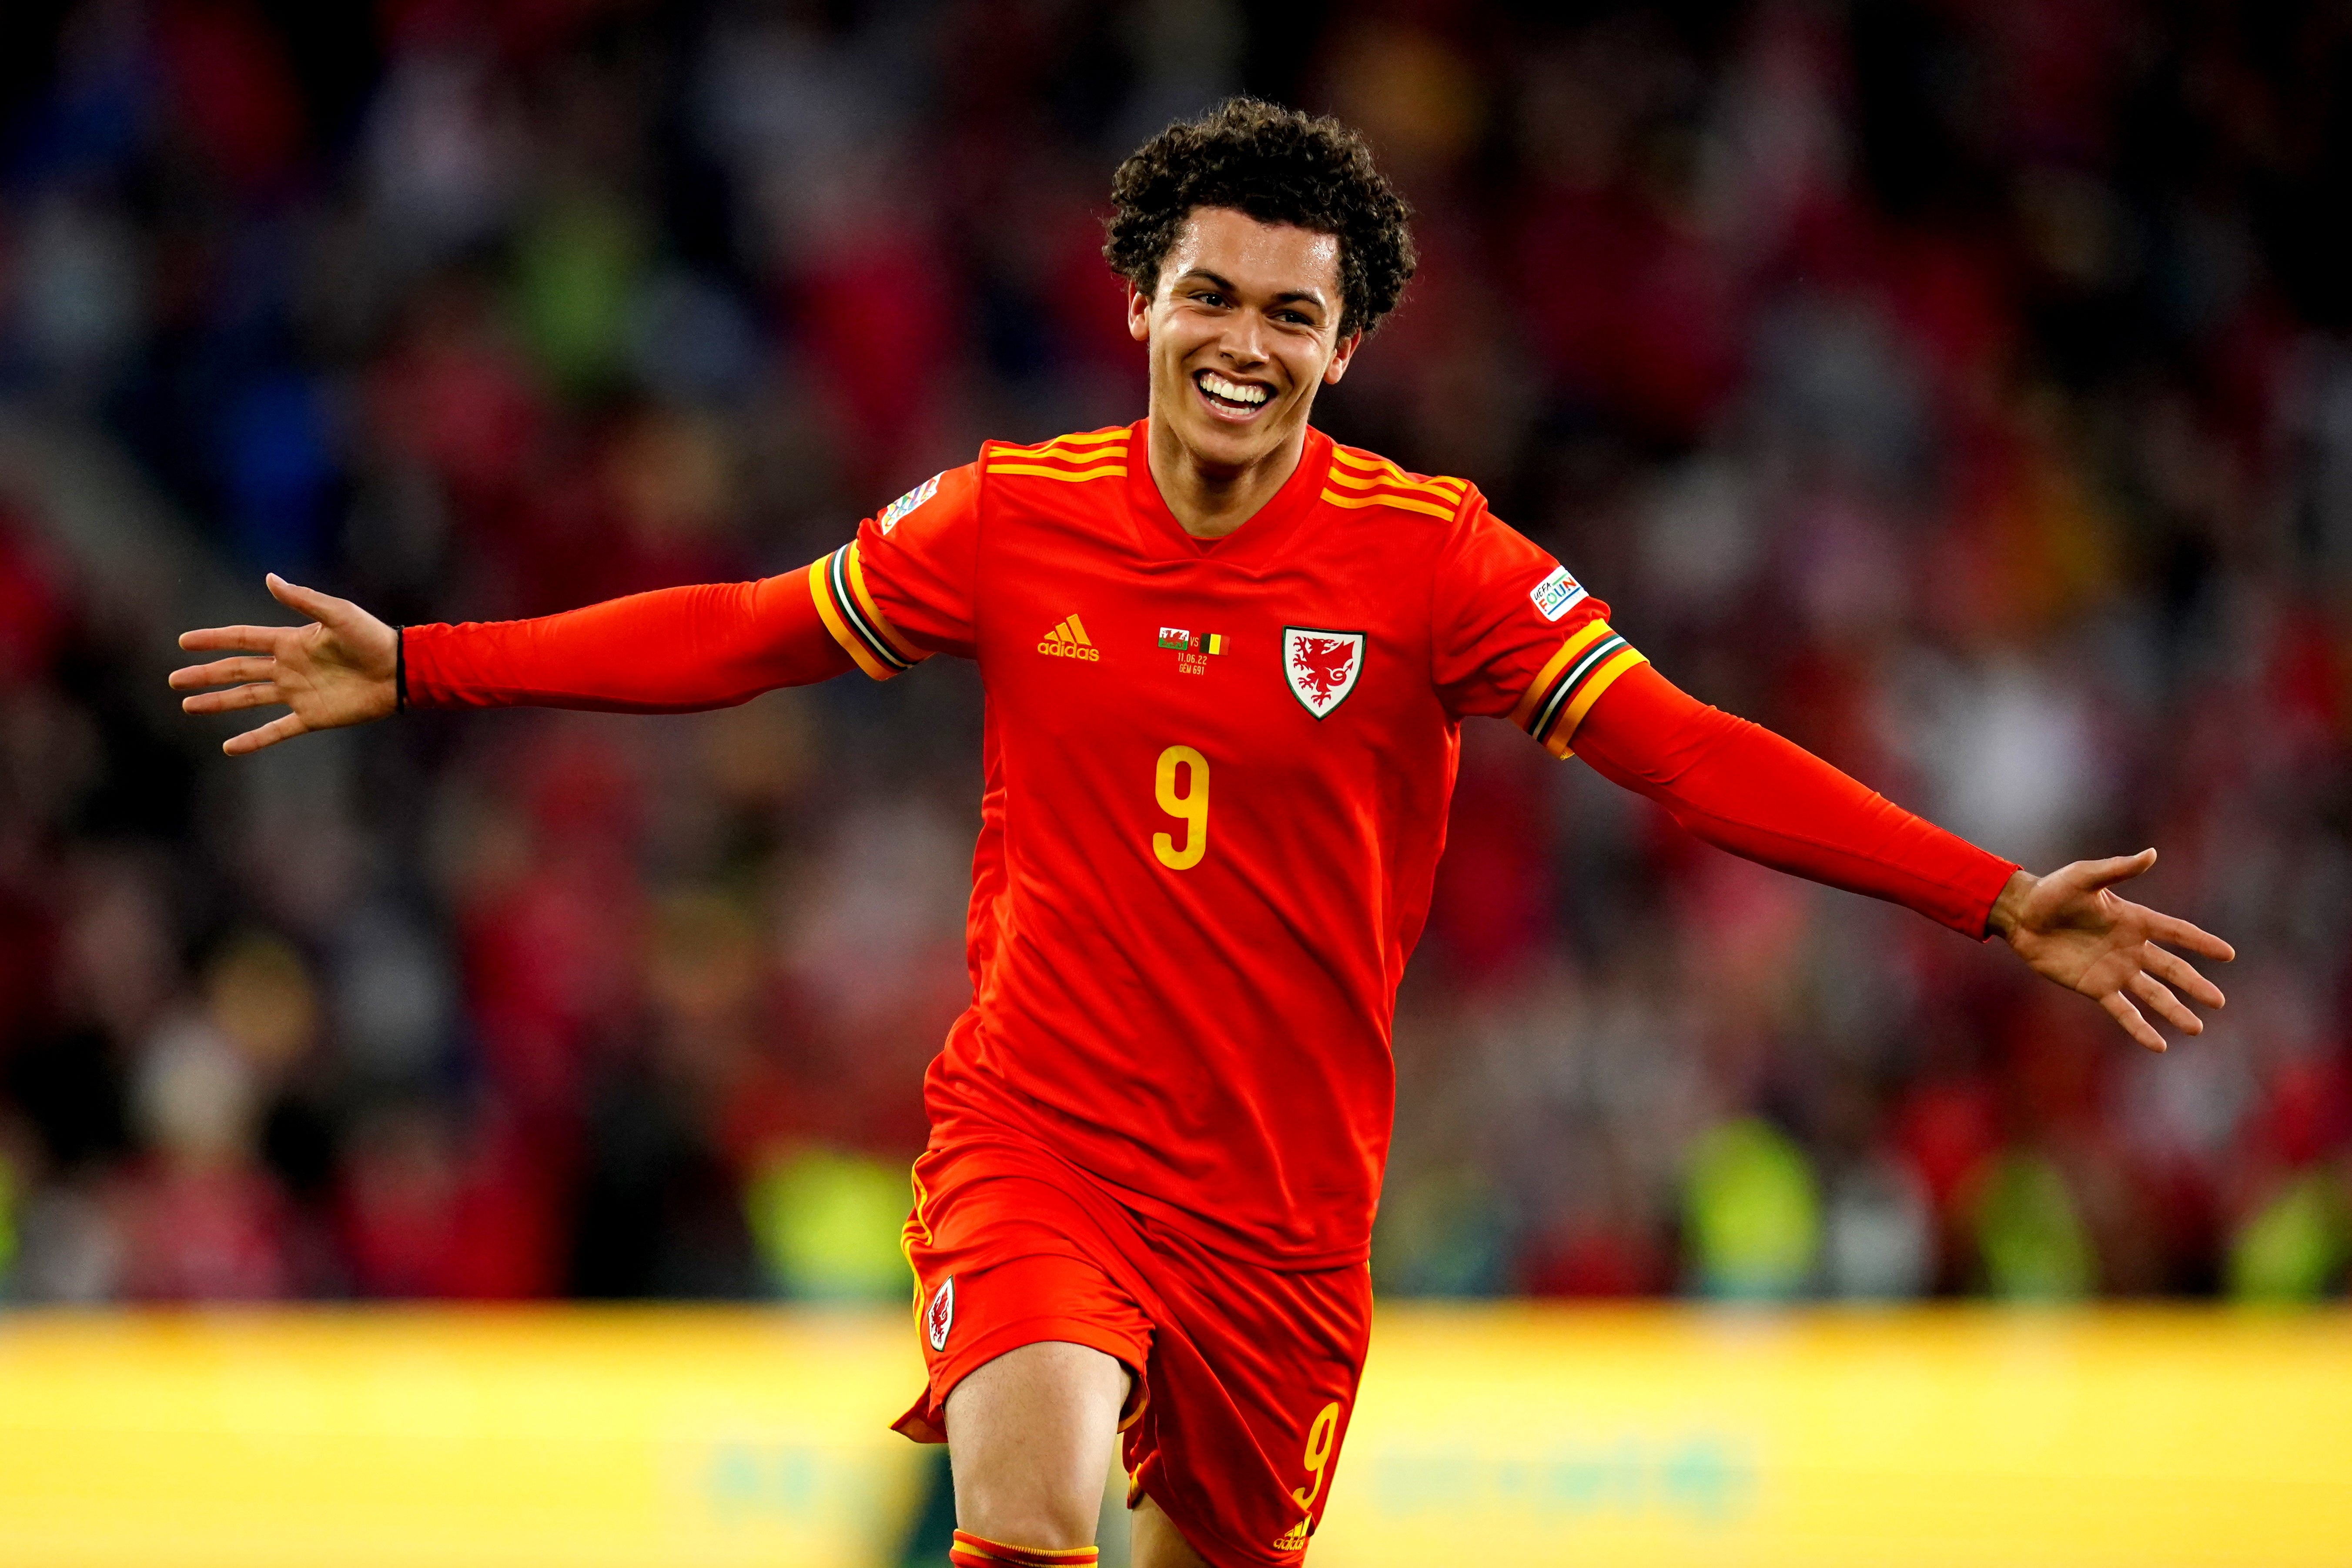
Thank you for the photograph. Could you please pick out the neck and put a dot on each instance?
(1210, 501)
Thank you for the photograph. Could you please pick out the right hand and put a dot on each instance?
(342, 668)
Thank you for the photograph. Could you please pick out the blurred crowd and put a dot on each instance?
(1961, 388)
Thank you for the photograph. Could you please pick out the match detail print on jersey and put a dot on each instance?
(1194, 649)
(1589, 662)
(1321, 666)
(838, 584)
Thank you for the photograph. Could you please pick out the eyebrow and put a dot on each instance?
(1288, 297)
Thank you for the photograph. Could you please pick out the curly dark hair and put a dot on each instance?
(1278, 165)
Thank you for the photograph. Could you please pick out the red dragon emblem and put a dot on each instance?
(1322, 665)
(939, 1316)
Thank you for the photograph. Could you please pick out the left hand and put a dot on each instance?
(2072, 928)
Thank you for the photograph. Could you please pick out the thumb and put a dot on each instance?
(309, 602)
(2097, 874)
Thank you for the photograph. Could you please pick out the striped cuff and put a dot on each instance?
(1570, 683)
(972, 1550)
(837, 583)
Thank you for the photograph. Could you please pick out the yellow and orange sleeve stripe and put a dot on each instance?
(1093, 455)
(1360, 479)
(1589, 663)
(837, 583)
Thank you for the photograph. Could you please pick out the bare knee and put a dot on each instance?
(1029, 1436)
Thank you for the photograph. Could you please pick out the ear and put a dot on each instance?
(1139, 314)
(1342, 355)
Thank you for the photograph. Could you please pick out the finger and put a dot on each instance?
(2128, 1019)
(323, 608)
(2180, 934)
(2180, 973)
(2151, 990)
(219, 639)
(222, 672)
(258, 695)
(2105, 873)
(269, 735)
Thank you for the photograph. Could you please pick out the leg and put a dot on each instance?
(1158, 1543)
(1028, 1435)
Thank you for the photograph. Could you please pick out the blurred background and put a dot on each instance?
(1961, 389)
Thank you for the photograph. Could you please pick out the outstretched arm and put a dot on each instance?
(1742, 788)
(673, 650)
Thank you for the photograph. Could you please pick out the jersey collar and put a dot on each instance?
(1253, 542)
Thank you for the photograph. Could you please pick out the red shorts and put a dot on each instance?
(1245, 1376)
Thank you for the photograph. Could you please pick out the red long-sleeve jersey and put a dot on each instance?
(1217, 774)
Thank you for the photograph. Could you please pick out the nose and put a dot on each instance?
(1244, 344)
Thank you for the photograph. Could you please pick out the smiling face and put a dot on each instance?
(1243, 327)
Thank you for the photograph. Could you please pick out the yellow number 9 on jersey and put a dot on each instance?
(1190, 808)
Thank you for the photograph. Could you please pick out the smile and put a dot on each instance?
(1232, 399)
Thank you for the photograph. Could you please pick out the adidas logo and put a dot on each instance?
(1069, 640)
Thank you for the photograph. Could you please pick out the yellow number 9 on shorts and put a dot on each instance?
(1321, 1437)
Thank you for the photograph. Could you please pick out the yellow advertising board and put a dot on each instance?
(1972, 1438)
(1519, 1434)
(459, 1439)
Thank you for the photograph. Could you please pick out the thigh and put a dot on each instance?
(1028, 1433)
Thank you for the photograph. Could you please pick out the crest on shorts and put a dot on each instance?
(1321, 666)
(939, 1316)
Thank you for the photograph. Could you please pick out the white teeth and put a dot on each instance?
(1232, 391)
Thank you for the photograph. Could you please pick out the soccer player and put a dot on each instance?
(1226, 663)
